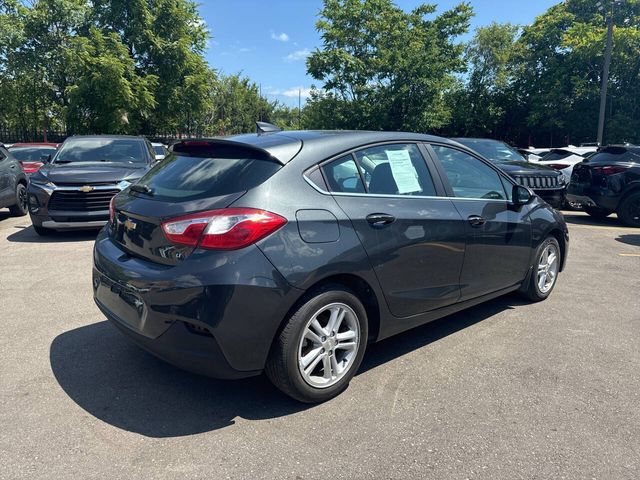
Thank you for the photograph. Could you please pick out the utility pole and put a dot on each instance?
(607, 64)
(299, 109)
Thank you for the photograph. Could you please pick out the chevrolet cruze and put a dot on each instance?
(289, 252)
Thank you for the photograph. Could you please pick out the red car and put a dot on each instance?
(32, 155)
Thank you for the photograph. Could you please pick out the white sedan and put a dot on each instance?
(563, 159)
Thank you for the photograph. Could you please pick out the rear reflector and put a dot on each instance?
(112, 209)
(226, 229)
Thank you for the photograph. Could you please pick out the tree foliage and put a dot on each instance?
(384, 68)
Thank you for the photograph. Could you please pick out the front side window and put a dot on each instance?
(468, 176)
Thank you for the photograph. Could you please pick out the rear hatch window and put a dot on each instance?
(191, 179)
(193, 172)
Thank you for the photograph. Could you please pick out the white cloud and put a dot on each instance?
(293, 92)
(281, 37)
(297, 55)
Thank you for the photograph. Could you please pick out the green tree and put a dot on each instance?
(483, 103)
(384, 68)
(561, 68)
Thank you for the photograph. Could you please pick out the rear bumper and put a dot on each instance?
(593, 197)
(215, 314)
(181, 347)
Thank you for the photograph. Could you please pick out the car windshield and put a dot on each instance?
(159, 149)
(121, 150)
(31, 154)
(493, 150)
(557, 155)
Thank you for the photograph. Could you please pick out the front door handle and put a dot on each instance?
(476, 220)
(380, 219)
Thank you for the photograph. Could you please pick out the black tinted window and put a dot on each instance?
(190, 176)
(493, 150)
(468, 176)
(613, 154)
(557, 155)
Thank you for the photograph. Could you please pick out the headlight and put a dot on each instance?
(42, 182)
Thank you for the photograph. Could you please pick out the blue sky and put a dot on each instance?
(269, 40)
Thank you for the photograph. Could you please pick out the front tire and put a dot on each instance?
(546, 267)
(20, 208)
(629, 210)
(320, 347)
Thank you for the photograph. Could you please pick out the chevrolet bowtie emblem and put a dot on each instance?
(130, 225)
(87, 189)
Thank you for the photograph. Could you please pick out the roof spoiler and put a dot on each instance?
(219, 146)
(264, 127)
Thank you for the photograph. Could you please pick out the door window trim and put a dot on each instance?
(441, 192)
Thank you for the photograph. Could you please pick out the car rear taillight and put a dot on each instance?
(112, 209)
(226, 229)
(557, 166)
(608, 170)
(30, 167)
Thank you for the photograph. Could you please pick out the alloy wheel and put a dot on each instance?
(329, 345)
(548, 267)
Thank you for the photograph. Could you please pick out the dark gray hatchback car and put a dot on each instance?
(289, 252)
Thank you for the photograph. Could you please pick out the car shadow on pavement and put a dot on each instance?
(26, 234)
(579, 218)
(4, 215)
(631, 239)
(122, 385)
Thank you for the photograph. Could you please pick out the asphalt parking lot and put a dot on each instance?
(504, 390)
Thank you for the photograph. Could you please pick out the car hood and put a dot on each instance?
(92, 172)
(526, 168)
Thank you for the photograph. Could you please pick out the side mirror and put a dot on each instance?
(521, 195)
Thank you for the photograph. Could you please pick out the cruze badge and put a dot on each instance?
(87, 189)
(130, 225)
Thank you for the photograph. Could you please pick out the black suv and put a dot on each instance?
(547, 183)
(607, 182)
(74, 189)
(288, 252)
(13, 184)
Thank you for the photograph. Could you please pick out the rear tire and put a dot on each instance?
(321, 346)
(20, 208)
(43, 232)
(597, 213)
(629, 210)
(545, 270)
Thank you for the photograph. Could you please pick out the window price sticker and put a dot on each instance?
(403, 171)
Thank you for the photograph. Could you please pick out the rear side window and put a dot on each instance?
(396, 169)
(198, 173)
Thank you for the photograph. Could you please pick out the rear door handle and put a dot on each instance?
(380, 219)
(476, 220)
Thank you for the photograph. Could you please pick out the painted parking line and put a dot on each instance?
(629, 254)
(602, 227)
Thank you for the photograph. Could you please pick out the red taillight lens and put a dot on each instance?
(557, 166)
(608, 170)
(30, 167)
(112, 209)
(226, 229)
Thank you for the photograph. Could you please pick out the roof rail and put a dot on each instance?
(264, 127)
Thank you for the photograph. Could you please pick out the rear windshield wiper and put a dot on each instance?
(141, 189)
